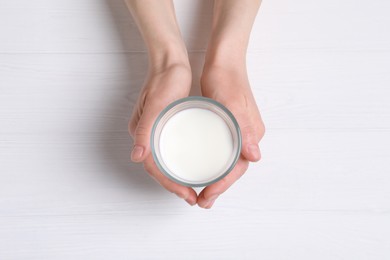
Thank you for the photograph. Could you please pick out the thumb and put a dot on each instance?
(141, 134)
(250, 147)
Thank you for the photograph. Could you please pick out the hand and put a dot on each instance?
(162, 88)
(225, 79)
(166, 83)
(230, 86)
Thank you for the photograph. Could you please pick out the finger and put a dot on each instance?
(250, 139)
(252, 130)
(186, 193)
(142, 132)
(209, 194)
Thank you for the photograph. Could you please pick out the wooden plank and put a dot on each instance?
(230, 234)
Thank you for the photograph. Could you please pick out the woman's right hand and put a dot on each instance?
(162, 87)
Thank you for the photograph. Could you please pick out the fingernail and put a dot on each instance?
(254, 150)
(137, 153)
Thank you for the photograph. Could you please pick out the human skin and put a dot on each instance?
(224, 79)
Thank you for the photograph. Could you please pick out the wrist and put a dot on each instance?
(228, 54)
(167, 54)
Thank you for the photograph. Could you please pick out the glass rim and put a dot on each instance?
(210, 101)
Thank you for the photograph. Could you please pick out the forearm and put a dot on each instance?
(232, 25)
(157, 23)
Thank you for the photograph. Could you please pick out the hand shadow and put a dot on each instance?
(116, 142)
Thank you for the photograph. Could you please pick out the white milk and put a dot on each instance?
(196, 145)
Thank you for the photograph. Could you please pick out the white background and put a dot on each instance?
(70, 71)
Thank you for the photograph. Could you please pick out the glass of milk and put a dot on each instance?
(196, 141)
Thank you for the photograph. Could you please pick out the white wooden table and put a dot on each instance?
(70, 71)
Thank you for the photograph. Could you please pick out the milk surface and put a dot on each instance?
(196, 145)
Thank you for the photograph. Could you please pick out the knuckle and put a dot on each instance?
(261, 130)
(248, 132)
(254, 131)
(141, 131)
